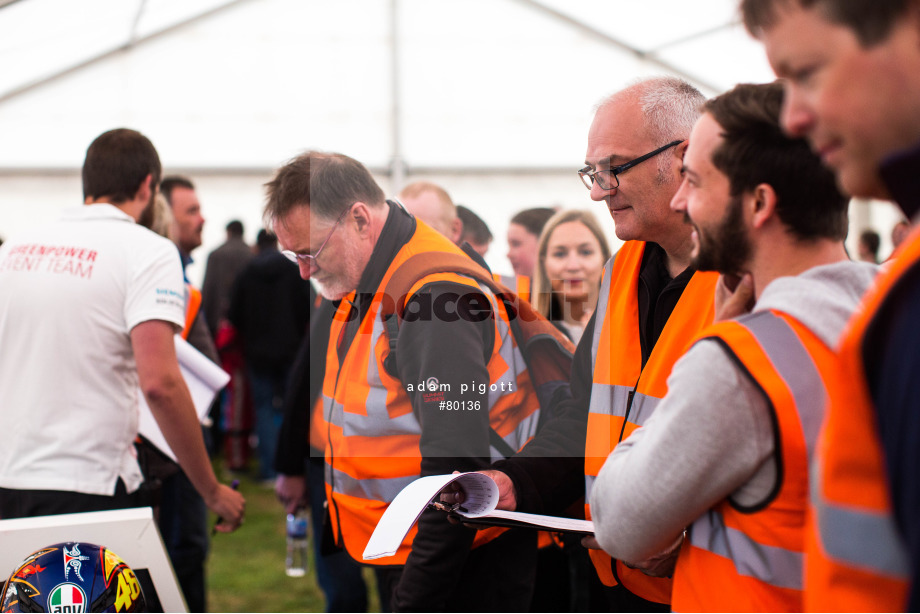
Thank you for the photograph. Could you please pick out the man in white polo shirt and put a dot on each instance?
(88, 308)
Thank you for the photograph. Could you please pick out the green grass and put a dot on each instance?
(246, 568)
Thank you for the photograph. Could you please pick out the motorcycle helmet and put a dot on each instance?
(73, 577)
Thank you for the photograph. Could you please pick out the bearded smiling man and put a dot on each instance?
(726, 454)
(725, 247)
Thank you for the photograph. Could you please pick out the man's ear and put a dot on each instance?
(361, 214)
(145, 189)
(762, 204)
(679, 152)
(456, 231)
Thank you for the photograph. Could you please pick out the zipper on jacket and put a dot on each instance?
(629, 402)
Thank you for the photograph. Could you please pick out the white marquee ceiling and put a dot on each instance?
(484, 85)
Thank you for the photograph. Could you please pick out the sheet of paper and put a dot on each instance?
(204, 380)
(405, 509)
(198, 370)
(552, 523)
(481, 493)
(481, 499)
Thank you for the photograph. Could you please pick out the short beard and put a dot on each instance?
(340, 286)
(729, 248)
(148, 215)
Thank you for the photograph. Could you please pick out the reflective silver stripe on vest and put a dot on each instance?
(600, 313)
(608, 400)
(526, 429)
(605, 398)
(858, 538)
(329, 414)
(512, 356)
(377, 422)
(379, 489)
(643, 406)
(775, 566)
(771, 564)
(507, 351)
(795, 365)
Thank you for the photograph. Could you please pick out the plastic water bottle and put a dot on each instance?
(296, 561)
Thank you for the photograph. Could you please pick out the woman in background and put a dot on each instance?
(523, 237)
(570, 261)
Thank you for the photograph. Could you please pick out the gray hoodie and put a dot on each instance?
(711, 437)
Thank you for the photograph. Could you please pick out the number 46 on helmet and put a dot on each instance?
(73, 577)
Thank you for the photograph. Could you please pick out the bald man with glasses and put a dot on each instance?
(652, 302)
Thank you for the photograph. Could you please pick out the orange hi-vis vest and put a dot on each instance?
(751, 559)
(856, 559)
(317, 435)
(519, 283)
(372, 450)
(623, 393)
(192, 307)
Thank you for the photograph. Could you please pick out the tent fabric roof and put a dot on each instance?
(493, 98)
(487, 85)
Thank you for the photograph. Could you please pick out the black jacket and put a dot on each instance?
(305, 384)
(270, 308)
(548, 474)
(454, 352)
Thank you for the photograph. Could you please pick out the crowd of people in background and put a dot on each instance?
(739, 410)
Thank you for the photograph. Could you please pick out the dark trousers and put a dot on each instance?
(566, 580)
(621, 600)
(338, 575)
(15, 503)
(497, 577)
(183, 524)
(268, 390)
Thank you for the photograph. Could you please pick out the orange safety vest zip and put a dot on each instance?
(856, 558)
(751, 559)
(623, 393)
(373, 434)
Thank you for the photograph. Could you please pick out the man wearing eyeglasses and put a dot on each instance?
(727, 453)
(852, 76)
(387, 421)
(651, 304)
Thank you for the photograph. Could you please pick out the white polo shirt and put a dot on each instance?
(70, 293)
